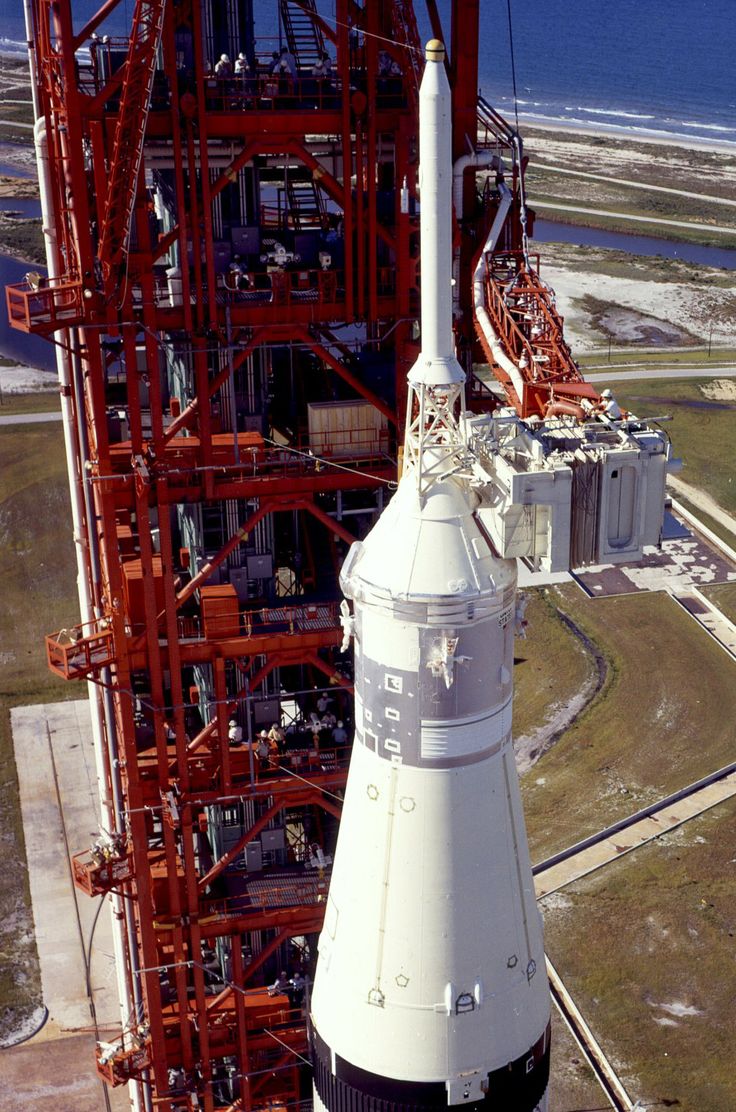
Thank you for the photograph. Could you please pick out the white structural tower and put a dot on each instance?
(431, 988)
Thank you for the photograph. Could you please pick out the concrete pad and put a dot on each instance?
(58, 1080)
(59, 805)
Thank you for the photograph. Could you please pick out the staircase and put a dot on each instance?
(303, 33)
(130, 131)
(305, 206)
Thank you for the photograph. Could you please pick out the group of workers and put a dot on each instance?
(294, 987)
(318, 729)
(283, 64)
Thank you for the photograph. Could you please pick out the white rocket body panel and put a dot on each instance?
(431, 959)
(402, 947)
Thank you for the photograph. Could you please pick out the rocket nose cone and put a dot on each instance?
(435, 51)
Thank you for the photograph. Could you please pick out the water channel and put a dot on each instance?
(39, 353)
(547, 231)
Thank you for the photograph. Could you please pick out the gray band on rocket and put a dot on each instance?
(449, 710)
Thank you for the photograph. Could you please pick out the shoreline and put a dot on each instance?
(618, 131)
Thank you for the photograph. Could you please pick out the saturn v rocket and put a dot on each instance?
(431, 988)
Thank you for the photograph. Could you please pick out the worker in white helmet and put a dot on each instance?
(224, 68)
(610, 406)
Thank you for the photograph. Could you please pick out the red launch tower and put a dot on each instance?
(232, 241)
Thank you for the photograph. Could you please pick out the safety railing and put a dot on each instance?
(290, 620)
(525, 317)
(95, 877)
(42, 305)
(80, 651)
(271, 286)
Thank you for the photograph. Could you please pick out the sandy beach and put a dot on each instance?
(605, 296)
(611, 131)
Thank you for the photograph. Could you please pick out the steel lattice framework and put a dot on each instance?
(227, 253)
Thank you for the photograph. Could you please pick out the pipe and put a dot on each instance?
(103, 764)
(479, 297)
(105, 743)
(560, 408)
(519, 151)
(479, 160)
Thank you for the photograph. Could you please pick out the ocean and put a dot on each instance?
(661, 68)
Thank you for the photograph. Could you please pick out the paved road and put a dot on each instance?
(694, 225)
(636, 184)
(616, 375)
(29, 418)
(623, 841)
(702, 501)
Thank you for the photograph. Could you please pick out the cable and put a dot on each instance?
(90, 994)
(513, 65)
(391, 483)
(124, 476)
(373, 35)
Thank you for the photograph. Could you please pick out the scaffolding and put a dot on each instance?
(232, 289)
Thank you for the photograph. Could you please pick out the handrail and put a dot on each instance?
(40, 304)
(289, 620)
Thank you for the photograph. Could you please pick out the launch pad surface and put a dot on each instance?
(59, 804)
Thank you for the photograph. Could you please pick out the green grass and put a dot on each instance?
(724, 597)
(39, 595)
(703, 438)
(702, 235)
(23, 238)
(657, 928)
(659, 360)
(567, 189)
(537, 688)
(15, 405)
(677, 167)
(663, 718)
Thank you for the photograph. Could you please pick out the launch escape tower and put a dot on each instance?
(232, 293)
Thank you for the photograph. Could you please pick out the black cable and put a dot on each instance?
(513, 65)
(88, 978)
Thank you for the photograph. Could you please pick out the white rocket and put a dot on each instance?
(431, 988)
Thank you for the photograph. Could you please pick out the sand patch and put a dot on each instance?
(27, 380)
(720, 390)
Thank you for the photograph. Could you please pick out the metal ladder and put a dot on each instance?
(130, 133)
(303, 33)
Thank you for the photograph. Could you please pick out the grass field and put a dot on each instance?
(645, 945)
(39, 595)
(700, 234)
(14, 405)
(539, 689)
(703, 173)
(701, 435)
(23, 239)
(724, 596)
(663, 719)
(699, 357)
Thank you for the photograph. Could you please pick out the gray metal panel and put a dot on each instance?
(239, 578)
(273, 839)
(253, 857)
(260, 566)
